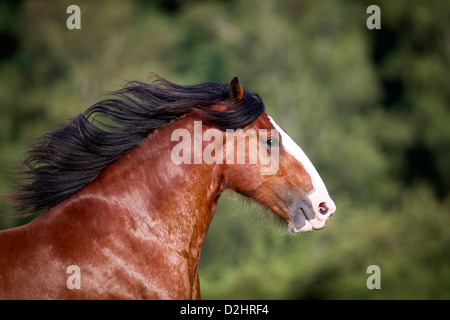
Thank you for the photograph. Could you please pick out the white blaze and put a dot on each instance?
(319, 194)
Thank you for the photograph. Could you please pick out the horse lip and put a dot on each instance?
(306, 225)
(311, 221)
(309, 224)
(304, 213)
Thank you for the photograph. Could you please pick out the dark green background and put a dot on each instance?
(369, 107)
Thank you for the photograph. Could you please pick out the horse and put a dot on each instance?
(120, 219)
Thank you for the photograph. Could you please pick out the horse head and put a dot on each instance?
(282, 179)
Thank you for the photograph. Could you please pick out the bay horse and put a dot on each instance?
(120, 219)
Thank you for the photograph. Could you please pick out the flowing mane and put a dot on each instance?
(64, 160)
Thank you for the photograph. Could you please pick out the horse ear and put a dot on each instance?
(236, 90)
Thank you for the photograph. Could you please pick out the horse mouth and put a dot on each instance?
(302, 222)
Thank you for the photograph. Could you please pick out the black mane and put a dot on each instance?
(65, 159)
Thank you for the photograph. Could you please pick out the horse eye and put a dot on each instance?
(272, 142)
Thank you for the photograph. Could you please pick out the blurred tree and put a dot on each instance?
(411, 55)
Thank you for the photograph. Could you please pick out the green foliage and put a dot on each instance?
(369, 107)
(407, 242)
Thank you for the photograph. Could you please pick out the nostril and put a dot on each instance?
(323, 209)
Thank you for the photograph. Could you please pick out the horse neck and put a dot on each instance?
(172, 202)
